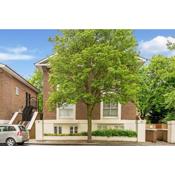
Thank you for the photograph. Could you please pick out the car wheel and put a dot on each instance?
(10, 142)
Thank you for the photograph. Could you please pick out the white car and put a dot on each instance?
(13, 134)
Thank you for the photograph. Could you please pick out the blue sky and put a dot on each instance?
(20, 49)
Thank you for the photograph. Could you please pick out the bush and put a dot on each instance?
(114, 132)
(169, 117)
(103, 133)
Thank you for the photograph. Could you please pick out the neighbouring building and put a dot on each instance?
(15, 93)
(72, 118)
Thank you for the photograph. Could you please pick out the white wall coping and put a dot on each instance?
(95, 138)
(141, 121)
(171, 122)
(102, 121)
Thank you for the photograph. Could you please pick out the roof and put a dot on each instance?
(43, 62)
(18, 77)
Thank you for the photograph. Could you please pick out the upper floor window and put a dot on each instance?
(17, 91)
(110, 109)
(66, 111)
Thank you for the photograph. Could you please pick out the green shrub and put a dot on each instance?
(103, 133)
(169, 117)
(114, 132)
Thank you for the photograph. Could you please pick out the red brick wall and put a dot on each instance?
(128, 112)
(9, 101)
(48, 115)
(81, 112)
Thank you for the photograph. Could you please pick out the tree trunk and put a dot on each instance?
(89, 118)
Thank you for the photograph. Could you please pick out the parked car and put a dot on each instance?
(13, 134)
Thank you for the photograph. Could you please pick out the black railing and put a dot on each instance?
(29, 109)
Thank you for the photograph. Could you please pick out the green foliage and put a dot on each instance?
(114, 132)
(156, 94)
(103, 133)
(169, 117)
(170, 45)
(36, 80)
(93, 66)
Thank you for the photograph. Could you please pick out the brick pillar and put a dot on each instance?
(141, 130)
(171, 131)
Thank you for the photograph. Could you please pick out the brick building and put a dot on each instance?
(15, 93)
(72, 118)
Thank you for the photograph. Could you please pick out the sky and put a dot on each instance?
(20, 49)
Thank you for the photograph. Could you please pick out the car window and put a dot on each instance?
(3, 128)
(7, 128)
(22, 128)
(11, 128)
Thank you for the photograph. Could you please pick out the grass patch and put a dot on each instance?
(103, 133)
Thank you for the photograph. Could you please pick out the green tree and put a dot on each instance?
(93, 66)
(156, 94)
(36, 80)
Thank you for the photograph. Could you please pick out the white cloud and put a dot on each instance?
(17, 50)
(15, 53)
(157, 45)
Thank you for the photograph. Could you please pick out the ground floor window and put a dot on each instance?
(110, 109)
(60, 130)
(57, 130)
(73, 129)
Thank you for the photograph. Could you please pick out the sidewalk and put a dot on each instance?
(96, 143)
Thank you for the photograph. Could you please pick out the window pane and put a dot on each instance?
(106, 112)
(60, 130)
(11, 128)
(55, 130)
(113, 106)
(66, 111)
(76, 129)
(113, 112)
(106, 106)
(71, 130)
(110, 110)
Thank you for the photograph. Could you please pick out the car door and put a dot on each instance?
(11, 130)
(3, 134)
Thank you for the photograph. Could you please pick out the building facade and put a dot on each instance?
(72, 118)
(15, 93)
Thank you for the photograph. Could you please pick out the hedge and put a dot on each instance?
(102, 133)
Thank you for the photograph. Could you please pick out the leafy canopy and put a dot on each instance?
(156, 96)
(93, 66)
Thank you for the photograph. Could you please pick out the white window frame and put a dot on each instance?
(118, 117)
(66, 117)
